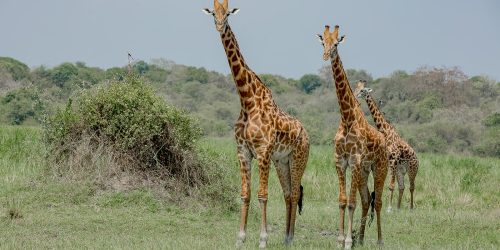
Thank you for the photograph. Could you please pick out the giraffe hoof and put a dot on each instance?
(348, 244)
(241, 239)
(380, 243)
(262, 244)
(288, 241)
(239, 243)
(340, 241)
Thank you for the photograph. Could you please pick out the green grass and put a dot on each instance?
(457, 207)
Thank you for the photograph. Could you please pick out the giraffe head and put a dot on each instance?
(361, 91)
(220, 13)
(330, 40)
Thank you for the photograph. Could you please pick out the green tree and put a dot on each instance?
(63, 73)
(197, 74)
(141, 67)
(16, 69)
(20, 104)
(308, 83)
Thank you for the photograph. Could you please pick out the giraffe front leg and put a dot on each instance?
(392, 167)
(245, 171)
(355, 184)
(340, 166)
(264, 161)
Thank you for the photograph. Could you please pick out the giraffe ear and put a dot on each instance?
(320, 38)
(207, 11)
(368, 90)
(342, 39)
(234, 11)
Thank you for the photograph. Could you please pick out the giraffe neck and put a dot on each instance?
(378, 117)
(247, 82)
(349, 106)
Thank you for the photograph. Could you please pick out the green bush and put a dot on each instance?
(133, 129)
(197, 74)
(17, 69)
(308, 83)
(20, 105)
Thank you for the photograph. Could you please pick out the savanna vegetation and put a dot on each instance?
(457, 206)
(438, 110)
(94, 158)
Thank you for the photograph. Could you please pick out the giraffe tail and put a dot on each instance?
(372, 205)
(301, 195)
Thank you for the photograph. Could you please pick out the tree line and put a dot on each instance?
(439, 110)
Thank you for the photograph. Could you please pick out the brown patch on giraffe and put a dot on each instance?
(231, 46)
(226, 43)
(236, 68)
(246, 94)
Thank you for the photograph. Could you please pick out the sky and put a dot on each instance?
(276, 37)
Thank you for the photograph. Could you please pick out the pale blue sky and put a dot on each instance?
(275, 36)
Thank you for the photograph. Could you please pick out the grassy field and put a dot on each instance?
(457, 207)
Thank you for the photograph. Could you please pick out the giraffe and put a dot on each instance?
(263, 132)
(357, 145)
(402, 157)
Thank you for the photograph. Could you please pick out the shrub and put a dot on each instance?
(16, 69)
(20, 105)
(308, 83)
(129, 137)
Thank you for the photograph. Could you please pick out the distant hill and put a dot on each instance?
(439, 110)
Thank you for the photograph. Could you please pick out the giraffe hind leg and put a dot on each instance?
(401, 185)
(298, 164)
(413, 168)
(283, 171)
(392, 183)
(365, 204)
(379, 176)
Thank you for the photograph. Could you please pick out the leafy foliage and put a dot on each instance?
(20, 105)
(308, 83)
(15, 68)
(436, 109)
(137, 128)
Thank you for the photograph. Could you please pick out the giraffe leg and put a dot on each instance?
(365, 203)
(298, 165)
(283, 170)
(355, 184)
(412, 174)
(340, 166)
(245, 171)
(379, 176)
(392, 167)
(401, 187)
(264, 160)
